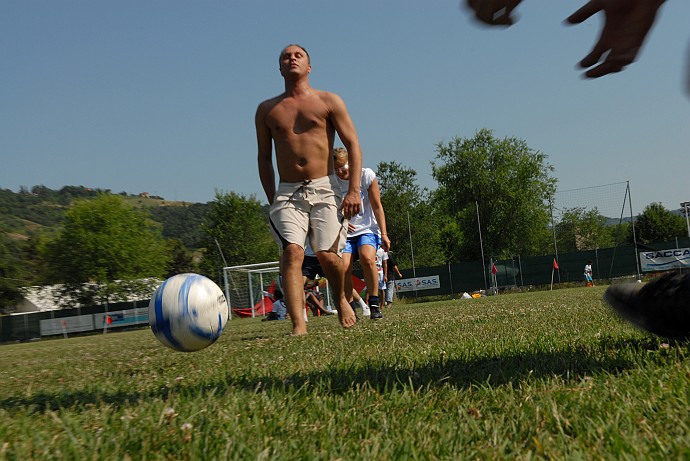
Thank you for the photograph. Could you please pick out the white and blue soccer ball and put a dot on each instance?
(188, 312)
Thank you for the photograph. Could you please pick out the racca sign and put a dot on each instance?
(660, 260)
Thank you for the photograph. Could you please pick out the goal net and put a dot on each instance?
(245, 286)
(590, 219)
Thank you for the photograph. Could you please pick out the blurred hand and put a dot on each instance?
(627, 23)
(493, 12)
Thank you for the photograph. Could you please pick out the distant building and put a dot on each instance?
(49, 297)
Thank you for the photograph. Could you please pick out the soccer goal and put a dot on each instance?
(245, 285)
(596, 219)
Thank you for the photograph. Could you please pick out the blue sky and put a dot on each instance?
(159, 96)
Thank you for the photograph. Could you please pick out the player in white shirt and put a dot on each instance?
(366, 230)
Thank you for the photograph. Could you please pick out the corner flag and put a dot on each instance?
(555, 264)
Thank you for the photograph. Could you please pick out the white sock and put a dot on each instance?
(362, 304)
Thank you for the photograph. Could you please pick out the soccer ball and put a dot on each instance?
(188, 312)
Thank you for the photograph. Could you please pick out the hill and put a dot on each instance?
(42, 210)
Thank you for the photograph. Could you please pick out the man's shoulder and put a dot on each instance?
(328, 97)
(271, 102)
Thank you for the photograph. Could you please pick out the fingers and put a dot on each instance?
(493, 12)
(349, 209)
(351, 205)
(626, 26)
(594, 56)
(604, 69)
(587, 11)
(615, 61)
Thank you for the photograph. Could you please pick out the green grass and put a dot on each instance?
(544, 375)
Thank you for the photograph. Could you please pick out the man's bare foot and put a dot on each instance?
(299, 331)
(299, 328)
(346, 315)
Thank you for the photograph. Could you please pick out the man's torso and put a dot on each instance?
(302, 134)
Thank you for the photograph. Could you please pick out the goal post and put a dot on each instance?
(245, 284)
(574, 213)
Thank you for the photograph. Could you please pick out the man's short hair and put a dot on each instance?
(280, 58)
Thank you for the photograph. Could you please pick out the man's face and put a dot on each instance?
(294, 60)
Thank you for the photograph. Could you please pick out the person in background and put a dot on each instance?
(588, 274)
(381, 268)
(366, 230)
(392, 273)
(279, 311)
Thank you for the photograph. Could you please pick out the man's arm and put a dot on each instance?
(397, 270)
(348, 135)
(265, 154)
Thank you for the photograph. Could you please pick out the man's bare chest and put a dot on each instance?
(288, 119)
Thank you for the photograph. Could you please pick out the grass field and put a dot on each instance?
(544, 375)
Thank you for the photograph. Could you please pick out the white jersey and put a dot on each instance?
(381, 256)
(365, 221)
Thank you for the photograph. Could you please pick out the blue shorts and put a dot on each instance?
(354, 243)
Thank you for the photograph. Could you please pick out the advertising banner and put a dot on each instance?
(121, 318)
(66, 325)
(661, 260)
(432, 282)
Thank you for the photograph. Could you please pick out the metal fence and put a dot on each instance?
(450, 280)
(34, 325)
(471, 276)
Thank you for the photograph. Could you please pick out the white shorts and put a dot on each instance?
(309, 209)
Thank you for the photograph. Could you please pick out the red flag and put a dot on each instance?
(555, 264)
(494, 269)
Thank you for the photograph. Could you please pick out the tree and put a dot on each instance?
(580, 229)
(657, 224)
(182, 222)
(181, 259)
(402, 198)
(507, 181)
(239, 226)
(104, 250)
(9, 273)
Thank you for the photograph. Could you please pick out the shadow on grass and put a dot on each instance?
(610, 356)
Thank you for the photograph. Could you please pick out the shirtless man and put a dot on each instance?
(301, 123)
